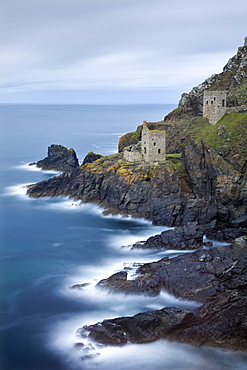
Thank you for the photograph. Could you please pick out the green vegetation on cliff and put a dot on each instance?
(129, 139)
(229, 135)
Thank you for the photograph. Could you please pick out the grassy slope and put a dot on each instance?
(229, 134)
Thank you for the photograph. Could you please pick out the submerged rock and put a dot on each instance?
(59, 158)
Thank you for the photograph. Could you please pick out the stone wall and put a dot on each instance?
(133, 153)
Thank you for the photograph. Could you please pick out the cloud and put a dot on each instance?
(125, 44)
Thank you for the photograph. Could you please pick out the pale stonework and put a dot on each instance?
(152, 147)
(214, 105)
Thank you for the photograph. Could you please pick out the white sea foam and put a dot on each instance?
(63, 205)
(159, 355)
(118, 303)
(17, 191)
(33, 167)
(215, 242)
(125, 239)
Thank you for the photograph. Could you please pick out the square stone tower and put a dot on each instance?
(153, 144)
(214, 105)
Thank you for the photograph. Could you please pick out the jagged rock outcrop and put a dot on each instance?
(200, 275)
(91, 157)
(216, 277)
(233, 79)
(59, 158)
(188, 236)
(219, 323)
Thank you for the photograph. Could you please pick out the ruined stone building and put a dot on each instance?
(214, 105)
(152, 147)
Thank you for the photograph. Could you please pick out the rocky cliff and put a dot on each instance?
(208, 183)
(233, 78)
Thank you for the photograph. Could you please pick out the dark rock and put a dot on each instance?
(220, 323)
(216, 277)
(82, 285)
(199, 276)
(141, 328)
(90, 357)
(161, 201)
(91, 157)
(225, 234)
(79, 345)
(59, 158)
(189, 236)
(119, 277)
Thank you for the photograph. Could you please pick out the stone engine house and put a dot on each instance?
(152, 147)
(214, 105)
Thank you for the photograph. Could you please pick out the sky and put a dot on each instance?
(114, 51)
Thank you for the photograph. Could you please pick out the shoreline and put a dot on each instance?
(212, 324)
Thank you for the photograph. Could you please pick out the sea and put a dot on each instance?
(49, 244)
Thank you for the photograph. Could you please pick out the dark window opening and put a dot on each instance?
(158, 151)
(145, 150)
(223, 102)
(207, 102)
(154, 144)
(212, 102)
(214, 98)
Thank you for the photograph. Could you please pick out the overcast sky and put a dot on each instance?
(114, 51)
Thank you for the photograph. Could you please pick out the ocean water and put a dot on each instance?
(49, 244)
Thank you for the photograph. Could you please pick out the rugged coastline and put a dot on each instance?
(201, 190)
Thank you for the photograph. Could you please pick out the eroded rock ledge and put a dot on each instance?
(216, 277)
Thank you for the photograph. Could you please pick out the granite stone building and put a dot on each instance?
(152, 147)
(214, 105)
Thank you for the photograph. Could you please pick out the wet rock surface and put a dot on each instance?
(216, 277)
(189, 236)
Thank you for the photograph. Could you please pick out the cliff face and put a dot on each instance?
(144, 190)
(233, 79)
(209, 183)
